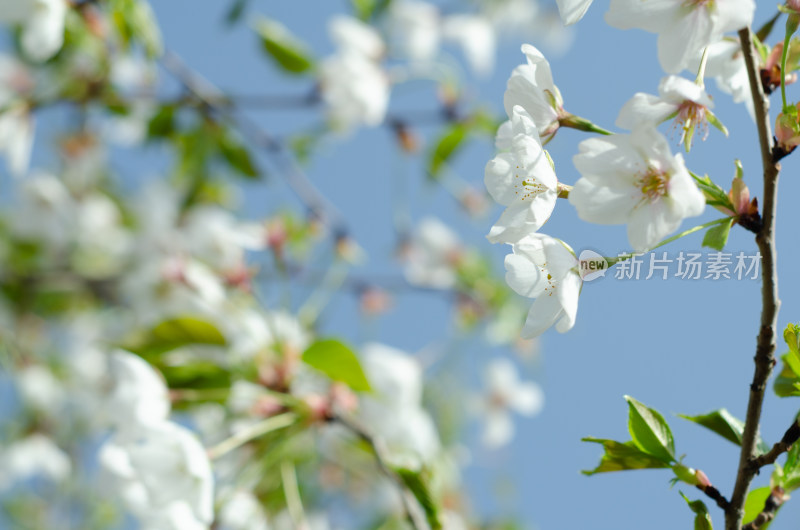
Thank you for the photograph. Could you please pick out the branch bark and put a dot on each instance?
(413, 511)
(765, 239)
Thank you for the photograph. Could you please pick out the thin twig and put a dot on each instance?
(410, 505)
(714, 494)
(251, 433)
(765, 239)
(789, 437)
(211, 97)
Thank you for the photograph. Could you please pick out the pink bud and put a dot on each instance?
(786, 131)
(702, 479)
(740, 196)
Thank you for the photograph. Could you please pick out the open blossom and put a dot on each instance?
(680, 98)
(476, 37)
(684, 28)
(725, 64)
(572, 11)
(531, 87)
(522, 180)
(354, 87)
(433, 255)
(414, 29)
(506, 393)
(394, 409)
(162, 474)
(635, 179)
(42, 24)
(544, 268)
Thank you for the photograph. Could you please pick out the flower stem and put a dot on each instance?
(582, 124)
(701, 71)
(613, 261)
(791, 27)
(251, 433)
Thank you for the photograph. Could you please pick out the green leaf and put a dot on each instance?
(236, 11)
(175, 333)
(287, 50)
(702, 520)
(447, 144)
(726, 425)
(418, 485)
(717, 236)
(367, 9)
(237, 155)
(754, 504)
(791, 469)
(649, 431)
(196, 375)
(162, 124)
(622, 456)
(792, 337)
(135, 22)
(337, 361)
(787, 383)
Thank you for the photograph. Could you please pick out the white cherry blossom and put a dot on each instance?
(522, 180)
(678, 98)
(433, 255)
(42, 24)
(544, 268)
(684, 28)
(476, 36)
(531, 87)
(635, 179)
(572, 11)
(504, 394)
(35, 455)
(414, 29)
(161, 471)
(394, 409)
(355, 90)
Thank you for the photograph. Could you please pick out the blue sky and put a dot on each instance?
(680, 346)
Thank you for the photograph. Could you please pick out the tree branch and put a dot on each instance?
(771, 505)
(412, 509)
(765, 239)
(211, 96)
(789, 437)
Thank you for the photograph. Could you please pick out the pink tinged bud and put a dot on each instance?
(319, 407)
(787, 130)
(740, 196)
(343, 398)
(702, 479)
(374, 301)
(794, 5)
(774, 58)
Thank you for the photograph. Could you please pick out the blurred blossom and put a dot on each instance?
(139, 395)
(393, 411)
(354, 87)
(42, 23)
(162, 473)
(433, 255)
(505, 393)
(39, 388)
(414, 29)
(475, 35)
(31, 457)
(241, 510)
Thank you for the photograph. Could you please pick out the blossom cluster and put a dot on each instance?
(632, 179)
